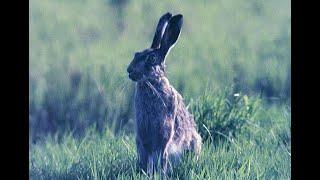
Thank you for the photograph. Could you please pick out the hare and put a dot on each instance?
(164, 127)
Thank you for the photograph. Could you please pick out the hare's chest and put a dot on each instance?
(150, 112)
(149, 109)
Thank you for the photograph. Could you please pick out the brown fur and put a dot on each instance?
(164, 127)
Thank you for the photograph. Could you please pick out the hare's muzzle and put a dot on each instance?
(135, 76)
(131, 73)
(129, 69)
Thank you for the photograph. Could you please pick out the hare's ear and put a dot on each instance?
(163, 21)
(171, 34)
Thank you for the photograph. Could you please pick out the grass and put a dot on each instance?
(114, 158)
(262, 150)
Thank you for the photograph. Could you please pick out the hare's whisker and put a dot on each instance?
(154, 90)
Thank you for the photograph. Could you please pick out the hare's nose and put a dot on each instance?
(129, 69)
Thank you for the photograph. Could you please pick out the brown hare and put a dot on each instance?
(164, 127)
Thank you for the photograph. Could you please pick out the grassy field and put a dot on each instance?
(259, 149)
(114, 158)
(81, 100)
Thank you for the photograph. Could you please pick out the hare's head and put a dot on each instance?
(150, 63)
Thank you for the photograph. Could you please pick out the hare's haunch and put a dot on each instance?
(165, 128)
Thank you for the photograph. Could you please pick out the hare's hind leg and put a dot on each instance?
(196, 144)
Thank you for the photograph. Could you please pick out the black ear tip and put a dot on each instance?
(180, 16)
(177, 19)
(167, 15)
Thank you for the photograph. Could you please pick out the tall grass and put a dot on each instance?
(261, 151)
(222, 114)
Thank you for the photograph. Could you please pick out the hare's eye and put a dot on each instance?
(152, 59)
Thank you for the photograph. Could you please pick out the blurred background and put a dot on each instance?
(80, 49)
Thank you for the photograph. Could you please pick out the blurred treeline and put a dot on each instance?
(79, 51)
